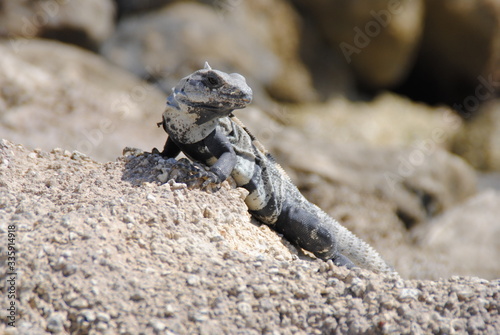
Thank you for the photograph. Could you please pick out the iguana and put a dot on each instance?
(199, 121)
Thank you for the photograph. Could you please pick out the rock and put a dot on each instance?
(479, 142)
(278, 28)
(459, 51)
(85, 23)
(387, 121)
(166, 45)
(79, 101)
(469, 233)
(420, 183)
(378, 39)
(55, 323)
(459, 46)
(234, 295)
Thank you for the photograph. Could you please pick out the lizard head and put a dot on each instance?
(210, 91)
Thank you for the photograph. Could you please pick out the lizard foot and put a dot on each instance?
(194, 175)
(341, 260)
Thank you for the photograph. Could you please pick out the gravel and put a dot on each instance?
(111, 248)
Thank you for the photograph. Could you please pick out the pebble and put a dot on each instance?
(475, 324)
(273, 270)
(60, 263)
(358, 287)
(244, 309)
(55, 323)
(128, 219)
(69, 270)
(260, 290)
(208, 213)
(216, 238)
(163, 178)
(406, 294)
(169, 310)
(176, 186)
(77, 156)
(104, 317)
(89, 315)
(463, 292)
(79, 303)
(101, 326)
(157, 325)
(200, 315)
(193, 280)
(5, 163)
(137, 296)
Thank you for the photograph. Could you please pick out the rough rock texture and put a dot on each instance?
(479, 142)
(453, 233)
(166, 45)
(108, 248)
(55, 95)
(379, 39)
(85, 23)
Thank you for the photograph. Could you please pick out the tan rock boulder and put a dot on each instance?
(56, 95)
(461, 51)
(379, 39)
(387, 121)
(469, 233)
(85, 23)
(479, 142)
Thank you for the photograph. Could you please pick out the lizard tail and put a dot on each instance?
(358, 251)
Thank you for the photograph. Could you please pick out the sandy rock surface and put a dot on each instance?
(110, 248)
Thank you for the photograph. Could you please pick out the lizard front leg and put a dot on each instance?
(199, 174)
(170, 149)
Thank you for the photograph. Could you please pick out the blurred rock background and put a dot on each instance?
(385, 113)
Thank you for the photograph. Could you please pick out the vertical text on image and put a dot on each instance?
(11, 275)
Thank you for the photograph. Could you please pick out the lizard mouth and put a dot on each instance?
(240, 102)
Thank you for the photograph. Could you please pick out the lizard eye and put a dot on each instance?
(213, 81)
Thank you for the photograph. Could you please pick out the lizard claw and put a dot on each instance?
(194, 175)
(211, 181)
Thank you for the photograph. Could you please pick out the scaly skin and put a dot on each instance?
(199, 121)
